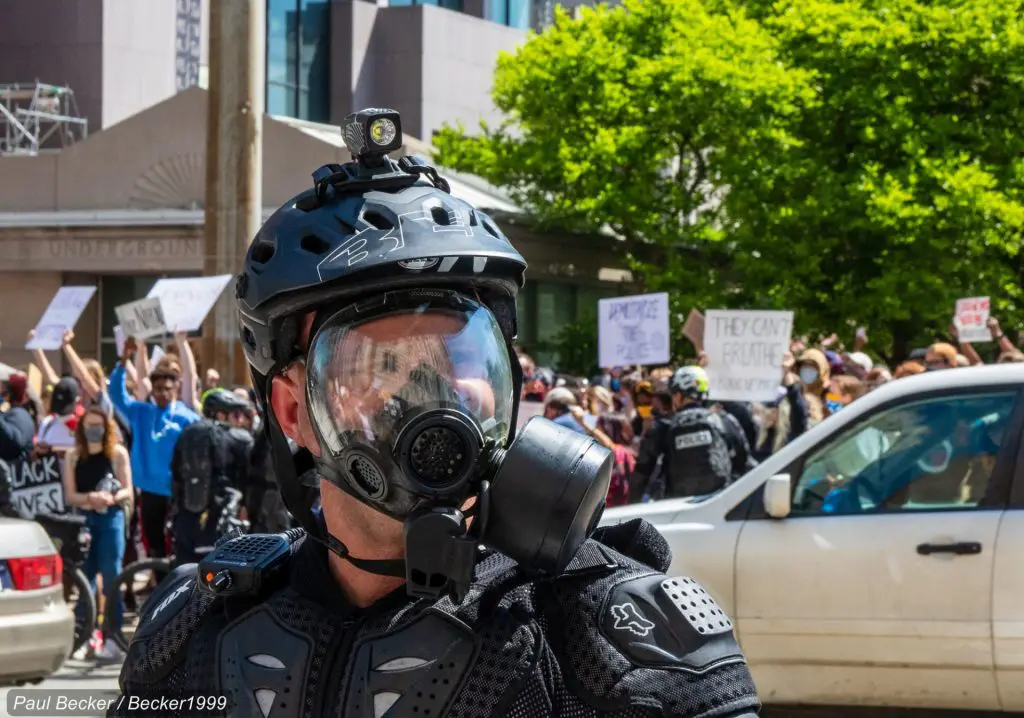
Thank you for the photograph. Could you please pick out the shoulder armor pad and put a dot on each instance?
(634, 637)
(169, 618)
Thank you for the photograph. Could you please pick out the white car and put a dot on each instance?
(877, 560)
(37, 627)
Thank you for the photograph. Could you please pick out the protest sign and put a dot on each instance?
(745, 350)
(119, 337)
(142, 318)
(186, 302)
(694, 329)
(633, 330)
(62, 314)
(36, 486)
(528, 410)
(156, 355)
(971, 320)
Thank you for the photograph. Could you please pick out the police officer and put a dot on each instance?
(209, 473)
(701, 450)
(378, 314)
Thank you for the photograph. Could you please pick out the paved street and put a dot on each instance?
(78, 675)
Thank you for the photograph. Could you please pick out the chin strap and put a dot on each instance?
(380, 566)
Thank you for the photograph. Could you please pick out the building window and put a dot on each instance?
(449, 4)
(298, 59)
(513, 13)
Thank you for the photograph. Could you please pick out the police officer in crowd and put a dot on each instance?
(378, 314)
(701, 449)
(209, 473)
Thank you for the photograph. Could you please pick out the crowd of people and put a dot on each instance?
(671, 441)
(151, 456)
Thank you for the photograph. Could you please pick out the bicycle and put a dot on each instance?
(145, 576)
(71, 538)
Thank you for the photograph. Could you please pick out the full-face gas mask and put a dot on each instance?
(411, 396)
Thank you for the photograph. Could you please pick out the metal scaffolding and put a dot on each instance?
(36, 116)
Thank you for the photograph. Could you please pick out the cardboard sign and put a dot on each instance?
(745, 350)
(142, 319)
(62, 314)
(633, 331)
(971, 320)
(694, 329)
(36, 486)
(186, 302)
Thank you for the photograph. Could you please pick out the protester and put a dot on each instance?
(57, 430)
(17, 427)
(940, 355)
(814, 372)
(98, 479)
(156, 426)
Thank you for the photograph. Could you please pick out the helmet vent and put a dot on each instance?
(472, 219)
(378, 220)
(491, 229)
(314, 245)
(441, 216)
(262, 252)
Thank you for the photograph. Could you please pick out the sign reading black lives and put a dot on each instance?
(36, 486)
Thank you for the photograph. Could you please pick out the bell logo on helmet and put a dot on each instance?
(418, 265)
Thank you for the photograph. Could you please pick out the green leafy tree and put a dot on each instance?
(903, 193)
(859, 162)
(634, 119)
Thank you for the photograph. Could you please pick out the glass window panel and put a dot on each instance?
(519, 14)
(936, 454)
(314, 61)
(497, 11)
(281, 41)
(280, 99)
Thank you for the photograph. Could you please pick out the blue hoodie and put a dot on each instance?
(154, 434)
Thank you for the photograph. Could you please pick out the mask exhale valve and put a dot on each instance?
(539, 500)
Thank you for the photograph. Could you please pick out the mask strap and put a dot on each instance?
(381, 567)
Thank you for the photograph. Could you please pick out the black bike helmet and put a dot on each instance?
(220, 401)
(366, 227)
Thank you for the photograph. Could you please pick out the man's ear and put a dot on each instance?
(284, 402)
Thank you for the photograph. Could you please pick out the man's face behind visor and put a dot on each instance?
(366, 378)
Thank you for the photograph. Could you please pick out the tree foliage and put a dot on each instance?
(860, 162)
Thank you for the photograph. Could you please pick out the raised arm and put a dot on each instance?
(118, 390)
(85, 380)
(142, 385)
(188, 371)
(40, 360)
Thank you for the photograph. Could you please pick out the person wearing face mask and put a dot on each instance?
(447, 570)
(98, 479)
(814, 372)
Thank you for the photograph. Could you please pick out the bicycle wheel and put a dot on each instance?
(143, 577)
(78, 593)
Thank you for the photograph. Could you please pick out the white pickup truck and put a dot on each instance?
(877, 560)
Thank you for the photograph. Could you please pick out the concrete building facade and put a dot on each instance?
(124, 208)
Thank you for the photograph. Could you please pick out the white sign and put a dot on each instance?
(528, 410)
(119, 339)
(745, 350)
(157, 354)
(971, 320)
(62, 314)
(633, 330)
(186, 302)
(142, 318)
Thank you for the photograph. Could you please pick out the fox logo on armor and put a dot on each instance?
(628, 618)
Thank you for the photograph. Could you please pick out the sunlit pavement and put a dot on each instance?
(83, 675)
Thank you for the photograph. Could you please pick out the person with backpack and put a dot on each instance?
(700, 450)
(211, 459)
